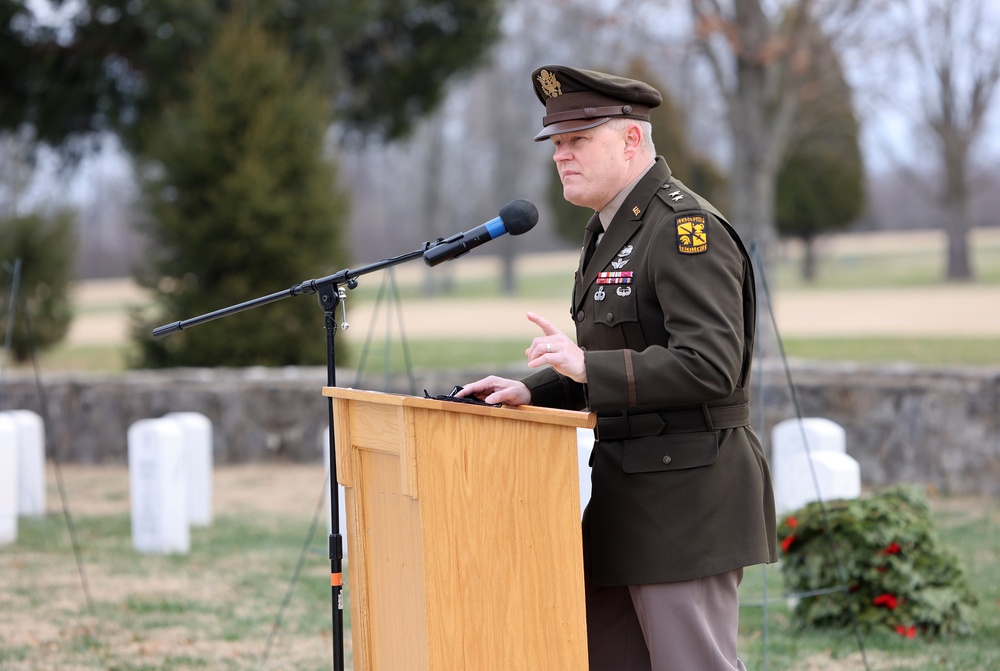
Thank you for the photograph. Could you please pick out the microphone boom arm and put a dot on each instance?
(347, 276)
(330, 295)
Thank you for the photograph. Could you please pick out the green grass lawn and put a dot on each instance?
(462, 353)
(900, 268)
(433, 354)
(211, 609)
(924, 351)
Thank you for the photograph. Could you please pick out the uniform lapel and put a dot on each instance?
(594, 229)
(627, 221)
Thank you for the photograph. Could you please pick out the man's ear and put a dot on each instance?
(633, 137)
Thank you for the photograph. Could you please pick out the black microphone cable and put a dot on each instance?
(17, 297)
(262, 663)
(841, 572)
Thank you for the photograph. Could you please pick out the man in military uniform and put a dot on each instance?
(664, 307)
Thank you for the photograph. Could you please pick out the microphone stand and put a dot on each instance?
(330, 294)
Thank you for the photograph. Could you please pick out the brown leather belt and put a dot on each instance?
(624, 426)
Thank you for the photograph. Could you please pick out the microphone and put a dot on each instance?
(516, 217)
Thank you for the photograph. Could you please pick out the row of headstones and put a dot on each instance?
(809, 462)
(170, 477)
(170, 481)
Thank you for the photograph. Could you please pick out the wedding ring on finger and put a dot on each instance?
(548, 348)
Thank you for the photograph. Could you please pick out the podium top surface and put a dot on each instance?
(528, 413)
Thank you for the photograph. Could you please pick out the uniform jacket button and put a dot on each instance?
(667, 459)
(611, 317)
(580, 315)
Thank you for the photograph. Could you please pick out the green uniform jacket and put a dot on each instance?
(665, 312)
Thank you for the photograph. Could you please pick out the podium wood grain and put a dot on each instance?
(463, 524)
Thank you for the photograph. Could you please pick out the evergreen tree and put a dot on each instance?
(114, 65)
(45, 246)
(820, 185)
(241, 204)
(819, 191)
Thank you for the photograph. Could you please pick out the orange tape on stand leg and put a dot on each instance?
(336, 579)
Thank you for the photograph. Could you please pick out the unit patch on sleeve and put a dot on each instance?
(692, 234)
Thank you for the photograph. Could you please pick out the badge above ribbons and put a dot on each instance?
(692, 234)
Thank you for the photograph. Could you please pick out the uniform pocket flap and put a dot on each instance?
(612, 307)
(671, 452)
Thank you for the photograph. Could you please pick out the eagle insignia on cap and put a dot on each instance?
(550, 85)
(692, 236)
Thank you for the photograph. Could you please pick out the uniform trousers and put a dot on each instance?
(679, 626)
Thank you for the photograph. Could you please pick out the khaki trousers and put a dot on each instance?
(681, 626)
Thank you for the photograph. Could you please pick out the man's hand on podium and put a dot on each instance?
(494, 389)
(452, 396)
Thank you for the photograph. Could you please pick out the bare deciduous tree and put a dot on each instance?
(956, 51)
(760, 55)
(16, 171)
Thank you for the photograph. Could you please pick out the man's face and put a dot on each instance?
(592, 165)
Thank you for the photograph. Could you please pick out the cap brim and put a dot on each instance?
(569, 127)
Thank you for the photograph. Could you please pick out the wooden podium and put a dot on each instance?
(463, 529)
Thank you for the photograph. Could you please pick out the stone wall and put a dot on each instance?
(936, 426)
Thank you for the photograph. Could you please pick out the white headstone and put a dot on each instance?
(838, 476)
(198, 444)
(8, 480)
(158, 487)
(795, 444)
(584, 446)
(342, 504)
(30, 462)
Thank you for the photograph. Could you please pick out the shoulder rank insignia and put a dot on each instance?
(692, 234)
(676, 194)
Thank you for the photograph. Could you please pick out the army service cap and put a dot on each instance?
(579, 99)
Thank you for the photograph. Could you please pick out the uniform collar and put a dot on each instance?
(627, 220)
(608, 212)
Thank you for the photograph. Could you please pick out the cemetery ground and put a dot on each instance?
(878, 298)
(216, 607)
